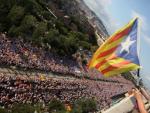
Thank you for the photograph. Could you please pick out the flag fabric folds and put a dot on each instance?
(119, 52)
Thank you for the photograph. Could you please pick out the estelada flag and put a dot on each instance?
(119, 53)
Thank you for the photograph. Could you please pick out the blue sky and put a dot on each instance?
(117, 13)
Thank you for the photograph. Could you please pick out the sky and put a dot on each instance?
(117, 13)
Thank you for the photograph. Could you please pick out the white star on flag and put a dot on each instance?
(126, 45)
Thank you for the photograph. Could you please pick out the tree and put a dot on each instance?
(71, 43)
(55, 106)
(84, 106)
(2, 110)
(63, 30)
(46, 15)
(15, 31)
(31, 6)
(52, 37)
(39, 32)
(85, 45)
(22, 108)
(5, 6)
(28, 24)
(31, 20)
(82, 36)
(16, 14)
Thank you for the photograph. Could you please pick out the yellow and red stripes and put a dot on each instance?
(105, 60)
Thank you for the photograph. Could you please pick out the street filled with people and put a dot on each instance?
(19, 53)
(33, 89)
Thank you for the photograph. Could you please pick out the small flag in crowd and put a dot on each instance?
(119, 53)
(42, 77)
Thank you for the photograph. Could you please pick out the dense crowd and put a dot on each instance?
(94, 74)
(24, 54)
(25, 89)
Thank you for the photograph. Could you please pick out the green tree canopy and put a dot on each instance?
(31, 19)
(16, 14)
(39, 32)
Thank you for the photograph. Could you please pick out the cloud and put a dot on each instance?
(106, 2)
(146, 38)
(142, 19)
(100, 7)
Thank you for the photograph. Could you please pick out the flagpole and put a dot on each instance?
(138, 44)
(138, 50)
(138, 37)
(138, 73)
(138, 79)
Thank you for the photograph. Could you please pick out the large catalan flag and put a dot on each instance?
(119, 53)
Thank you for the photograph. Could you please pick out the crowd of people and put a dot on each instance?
(31, 89)
(19, 53)
(24, 54)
